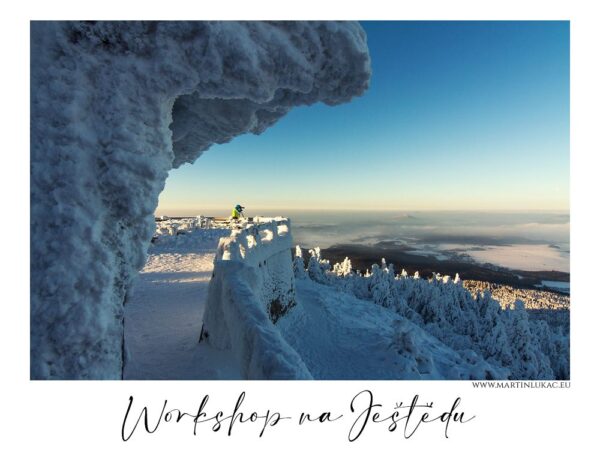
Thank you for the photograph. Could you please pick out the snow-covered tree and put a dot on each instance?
(299, 270)
(343, 269)
(381, 285)
(528, 361)
(317, 267)
(493, 339)
(554, 345)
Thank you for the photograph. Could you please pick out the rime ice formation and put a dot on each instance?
(115, 106)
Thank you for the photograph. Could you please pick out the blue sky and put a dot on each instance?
(459, 115)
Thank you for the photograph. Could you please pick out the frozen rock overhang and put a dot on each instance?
(115, 106)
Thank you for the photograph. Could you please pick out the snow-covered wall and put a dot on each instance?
(252, 287)
(115, 106)
(265, 247)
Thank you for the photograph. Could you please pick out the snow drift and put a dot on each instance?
(115, 106)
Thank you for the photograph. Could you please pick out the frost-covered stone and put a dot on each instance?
(114, 107)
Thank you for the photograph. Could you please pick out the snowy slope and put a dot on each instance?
(516, 344)
(341, 337)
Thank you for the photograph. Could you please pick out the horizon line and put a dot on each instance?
(328, 209)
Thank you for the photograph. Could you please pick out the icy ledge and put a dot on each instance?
(115, 106)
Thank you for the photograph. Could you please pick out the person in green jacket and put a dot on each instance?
(237, 212)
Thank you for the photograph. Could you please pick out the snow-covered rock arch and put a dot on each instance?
(114, 107)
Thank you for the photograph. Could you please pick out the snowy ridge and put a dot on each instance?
(114, 107)
(252, 287)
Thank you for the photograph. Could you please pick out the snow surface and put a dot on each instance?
(114, 107)
(164, 313)
(343, 338)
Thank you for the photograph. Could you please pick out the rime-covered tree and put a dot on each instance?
(528, 362)
(381, 285)
(493, 339)
(299, 270)
(343, 269)
(554, 345)
(317, 268)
